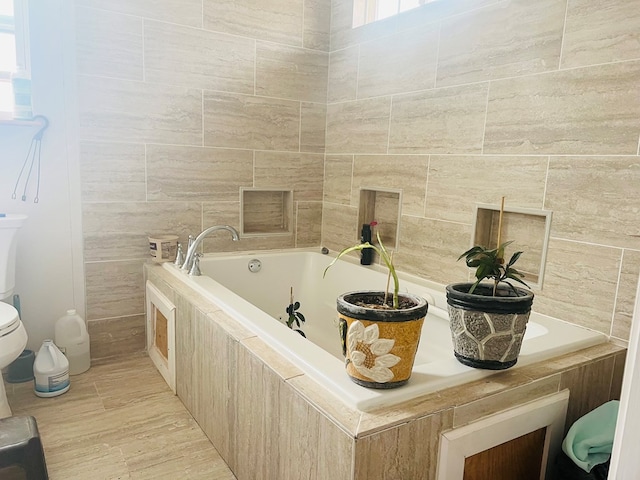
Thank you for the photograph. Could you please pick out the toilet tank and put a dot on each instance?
(9, 226)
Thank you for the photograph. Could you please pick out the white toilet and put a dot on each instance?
(13, 336)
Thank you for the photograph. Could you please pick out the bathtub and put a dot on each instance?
(258, 298)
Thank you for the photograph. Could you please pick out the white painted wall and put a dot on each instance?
(49, 258)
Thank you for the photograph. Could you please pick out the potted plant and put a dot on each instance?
(380, 332)
(488, 320)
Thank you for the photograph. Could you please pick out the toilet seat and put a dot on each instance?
(9, 319)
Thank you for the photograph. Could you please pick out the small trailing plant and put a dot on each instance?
(295, 316)
(384, 255)
(489, 264)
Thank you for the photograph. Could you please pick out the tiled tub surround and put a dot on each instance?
(256, 299)
(270, 420)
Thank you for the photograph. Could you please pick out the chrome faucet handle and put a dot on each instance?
(195, 268)
(190, 241)
(179, 256)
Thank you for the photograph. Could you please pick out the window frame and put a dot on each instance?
(17, 25)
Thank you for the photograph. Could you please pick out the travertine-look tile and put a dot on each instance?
(343, 75)
(184, 12)
(402, 62)
(335, 455)
(126, 111)
(597, 32)
(308, 224)
(504, 40)
(301, 172)
(444, 120)
(274, 20)
(580, 284)
(315, 33)
(590, 110)
(338, 171)
(457, 183)
(595, 199)
(589, 386)
(431, 247)
(112, 172)
(244, 121)
(117, 337)
(291, 72)
(117, 231)
(114, 289)
(197, 173)
(312, 127)
(108, 44)
(409, 174)
(626, 295)
(489, 405)
(408, 451)
(618, 376)
(339, 226)
(196, 58)
(358, 127)
(343, 34)
(271, 358)
(433, 12)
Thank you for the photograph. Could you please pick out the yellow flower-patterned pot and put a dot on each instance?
(379, 343)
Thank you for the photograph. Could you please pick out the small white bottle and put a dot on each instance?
(72, 339)
(50, 371)
(21, 85)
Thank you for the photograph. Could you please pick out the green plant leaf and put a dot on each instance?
(301, 317)
(514, 258)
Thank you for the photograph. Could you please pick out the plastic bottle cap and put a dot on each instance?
(71, 311)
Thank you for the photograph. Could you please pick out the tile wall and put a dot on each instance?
(465, 101)
(182, 103)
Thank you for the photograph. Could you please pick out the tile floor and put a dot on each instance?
(119, 421)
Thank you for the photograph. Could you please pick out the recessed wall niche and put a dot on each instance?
(529, 230)
(382, 206)
(266, 211)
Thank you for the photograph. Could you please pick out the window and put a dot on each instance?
(367, 11)
(13, 49)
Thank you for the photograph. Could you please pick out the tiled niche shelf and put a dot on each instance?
(529, 230)
(265, 211)
(382, 206)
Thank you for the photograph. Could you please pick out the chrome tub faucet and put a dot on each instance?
(193, 247)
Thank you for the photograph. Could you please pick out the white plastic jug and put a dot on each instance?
(51, 371)
(72, 339)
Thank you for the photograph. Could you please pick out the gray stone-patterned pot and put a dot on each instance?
(487, 330)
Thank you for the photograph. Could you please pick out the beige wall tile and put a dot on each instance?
(504, 40)
(117, 231)
(626, 294)
(184, 12)
(409, 174)
(407, 451)
(274, 20)
(300, 172)
(343, 75)
(115, 337)
(595, 199)
(339, 226)
(112, 172)
(489, 405)
(580, 284)
(430, 248)
(125, 111)
(342, 32)
(243, 121)
(582, 111)
(271, 359)
(308, 224)
(402, 62)
(445, 120)
(313, 118)
(114, 289)
(108, 44)
(335, 452)
(315, 33)
(197, 173)
(457, 183)
(433, 12)
(597, 32)
(291, 72)
(198, 59)
(338, 171)
(358, 127)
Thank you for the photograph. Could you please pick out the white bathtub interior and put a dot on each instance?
(257, 298)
